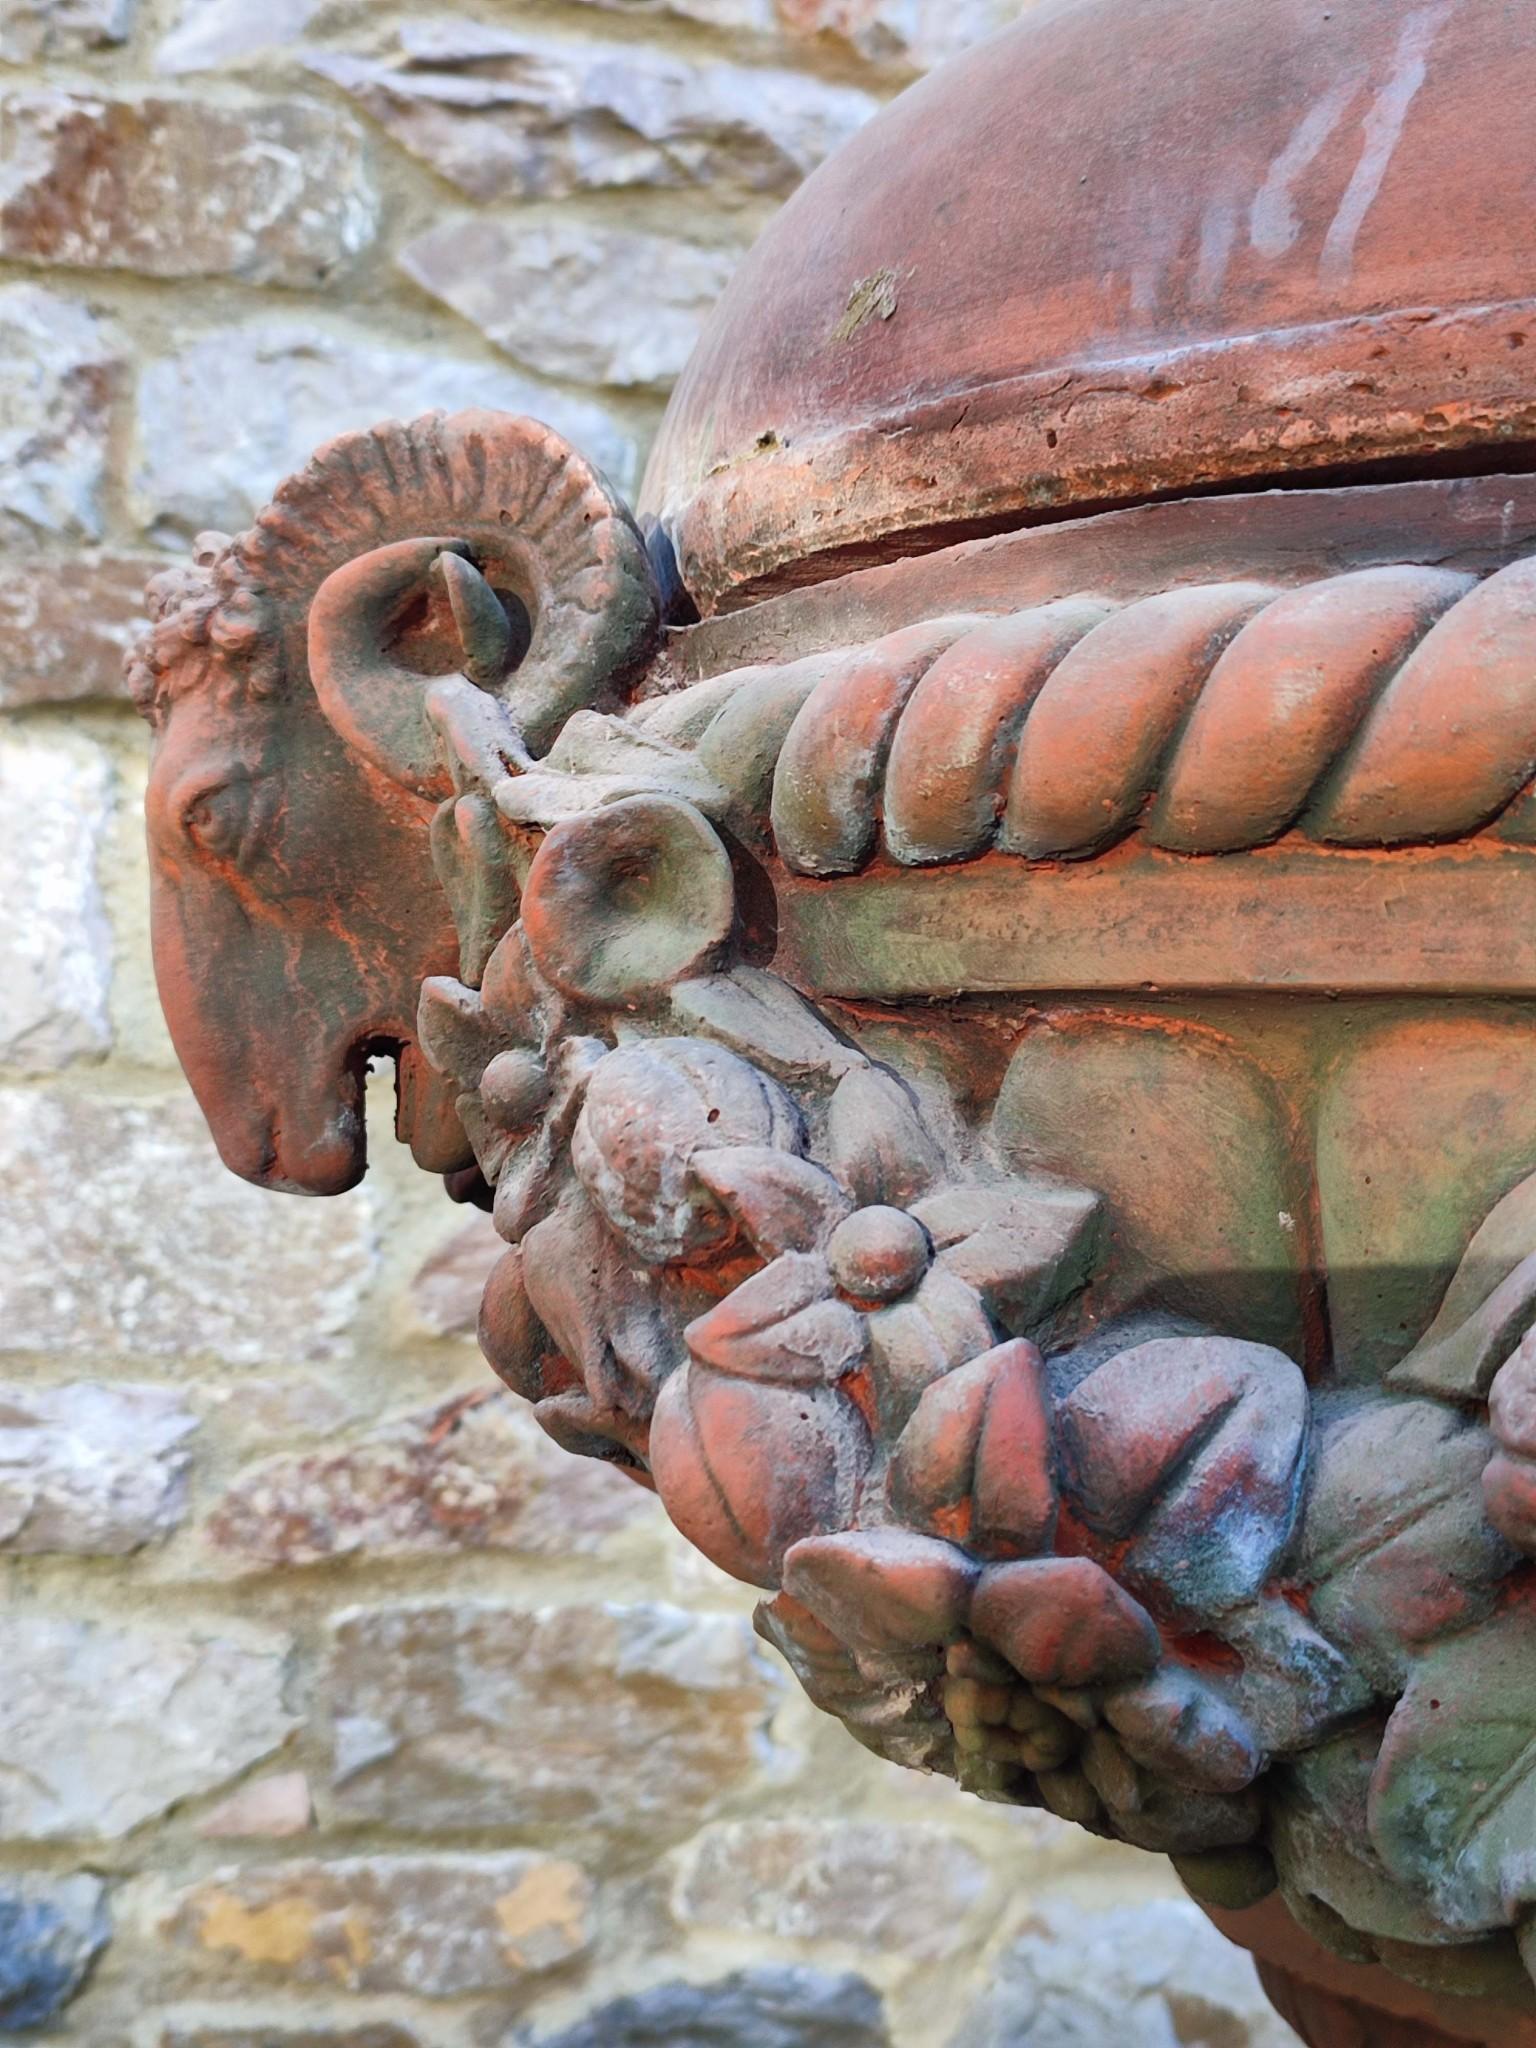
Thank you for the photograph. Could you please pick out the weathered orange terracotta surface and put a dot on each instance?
(1123, 249)
(1003, 1060)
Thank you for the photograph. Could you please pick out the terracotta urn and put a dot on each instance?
(980, 946)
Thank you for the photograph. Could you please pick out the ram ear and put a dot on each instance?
(474, 544)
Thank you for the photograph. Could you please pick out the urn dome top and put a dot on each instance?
(1125, 249)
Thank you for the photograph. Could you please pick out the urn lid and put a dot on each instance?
(1127, 248)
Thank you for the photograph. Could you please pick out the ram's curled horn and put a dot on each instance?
(450, 545)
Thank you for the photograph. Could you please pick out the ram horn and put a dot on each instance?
(474, 543)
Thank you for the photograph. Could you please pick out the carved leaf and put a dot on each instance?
(470, 856)
(784, 1324)
(878, 1147)
(1398, 1550)
(1195, 1447)
(1293, 1684)
(1488, 1306)
(1512, 1400)
(594, 743)
(1509, 1479)
(1062, 1621)
(1453, 1798)
(1320, 1835)
(1177, 1724)
(603, 1312)
(974, 1462)
(578, 1424)
(916, 1341)
(883, 1589)
(599, 758)
(757, 1014)
(513, 1339)
(509, 988)
(456, 1035)
(1025, 1248)
(782, 1202)
(1509, 1500)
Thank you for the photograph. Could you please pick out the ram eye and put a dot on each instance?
(218, 820)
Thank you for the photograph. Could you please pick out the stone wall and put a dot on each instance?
(337, 1706)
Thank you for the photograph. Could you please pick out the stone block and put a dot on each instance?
(51, 1931)
(506, 115)
(1158, 1972)
(66, 624)
(273, 1807)
(777, 2005)
(273, 193)
(905, 37)
(60, 373)
(224, 419)
(91, 1469)
(125, 1234)
(601, 1720)
(254, 1416)
(33, 29)
(750, 17)
(104, 1727)
(55, 941)
(900, 38)
(208, 33)
(471, 1473)
(447, 1285)
(887, 1887)
(605, 305)
(379, 2035)
(428, 1927)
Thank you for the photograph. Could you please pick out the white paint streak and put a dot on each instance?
(1383, 129)
(1273, 221)
(1218, 231)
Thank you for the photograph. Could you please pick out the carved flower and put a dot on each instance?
(767, 1437)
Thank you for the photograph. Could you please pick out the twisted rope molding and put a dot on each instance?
(1381, 707)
